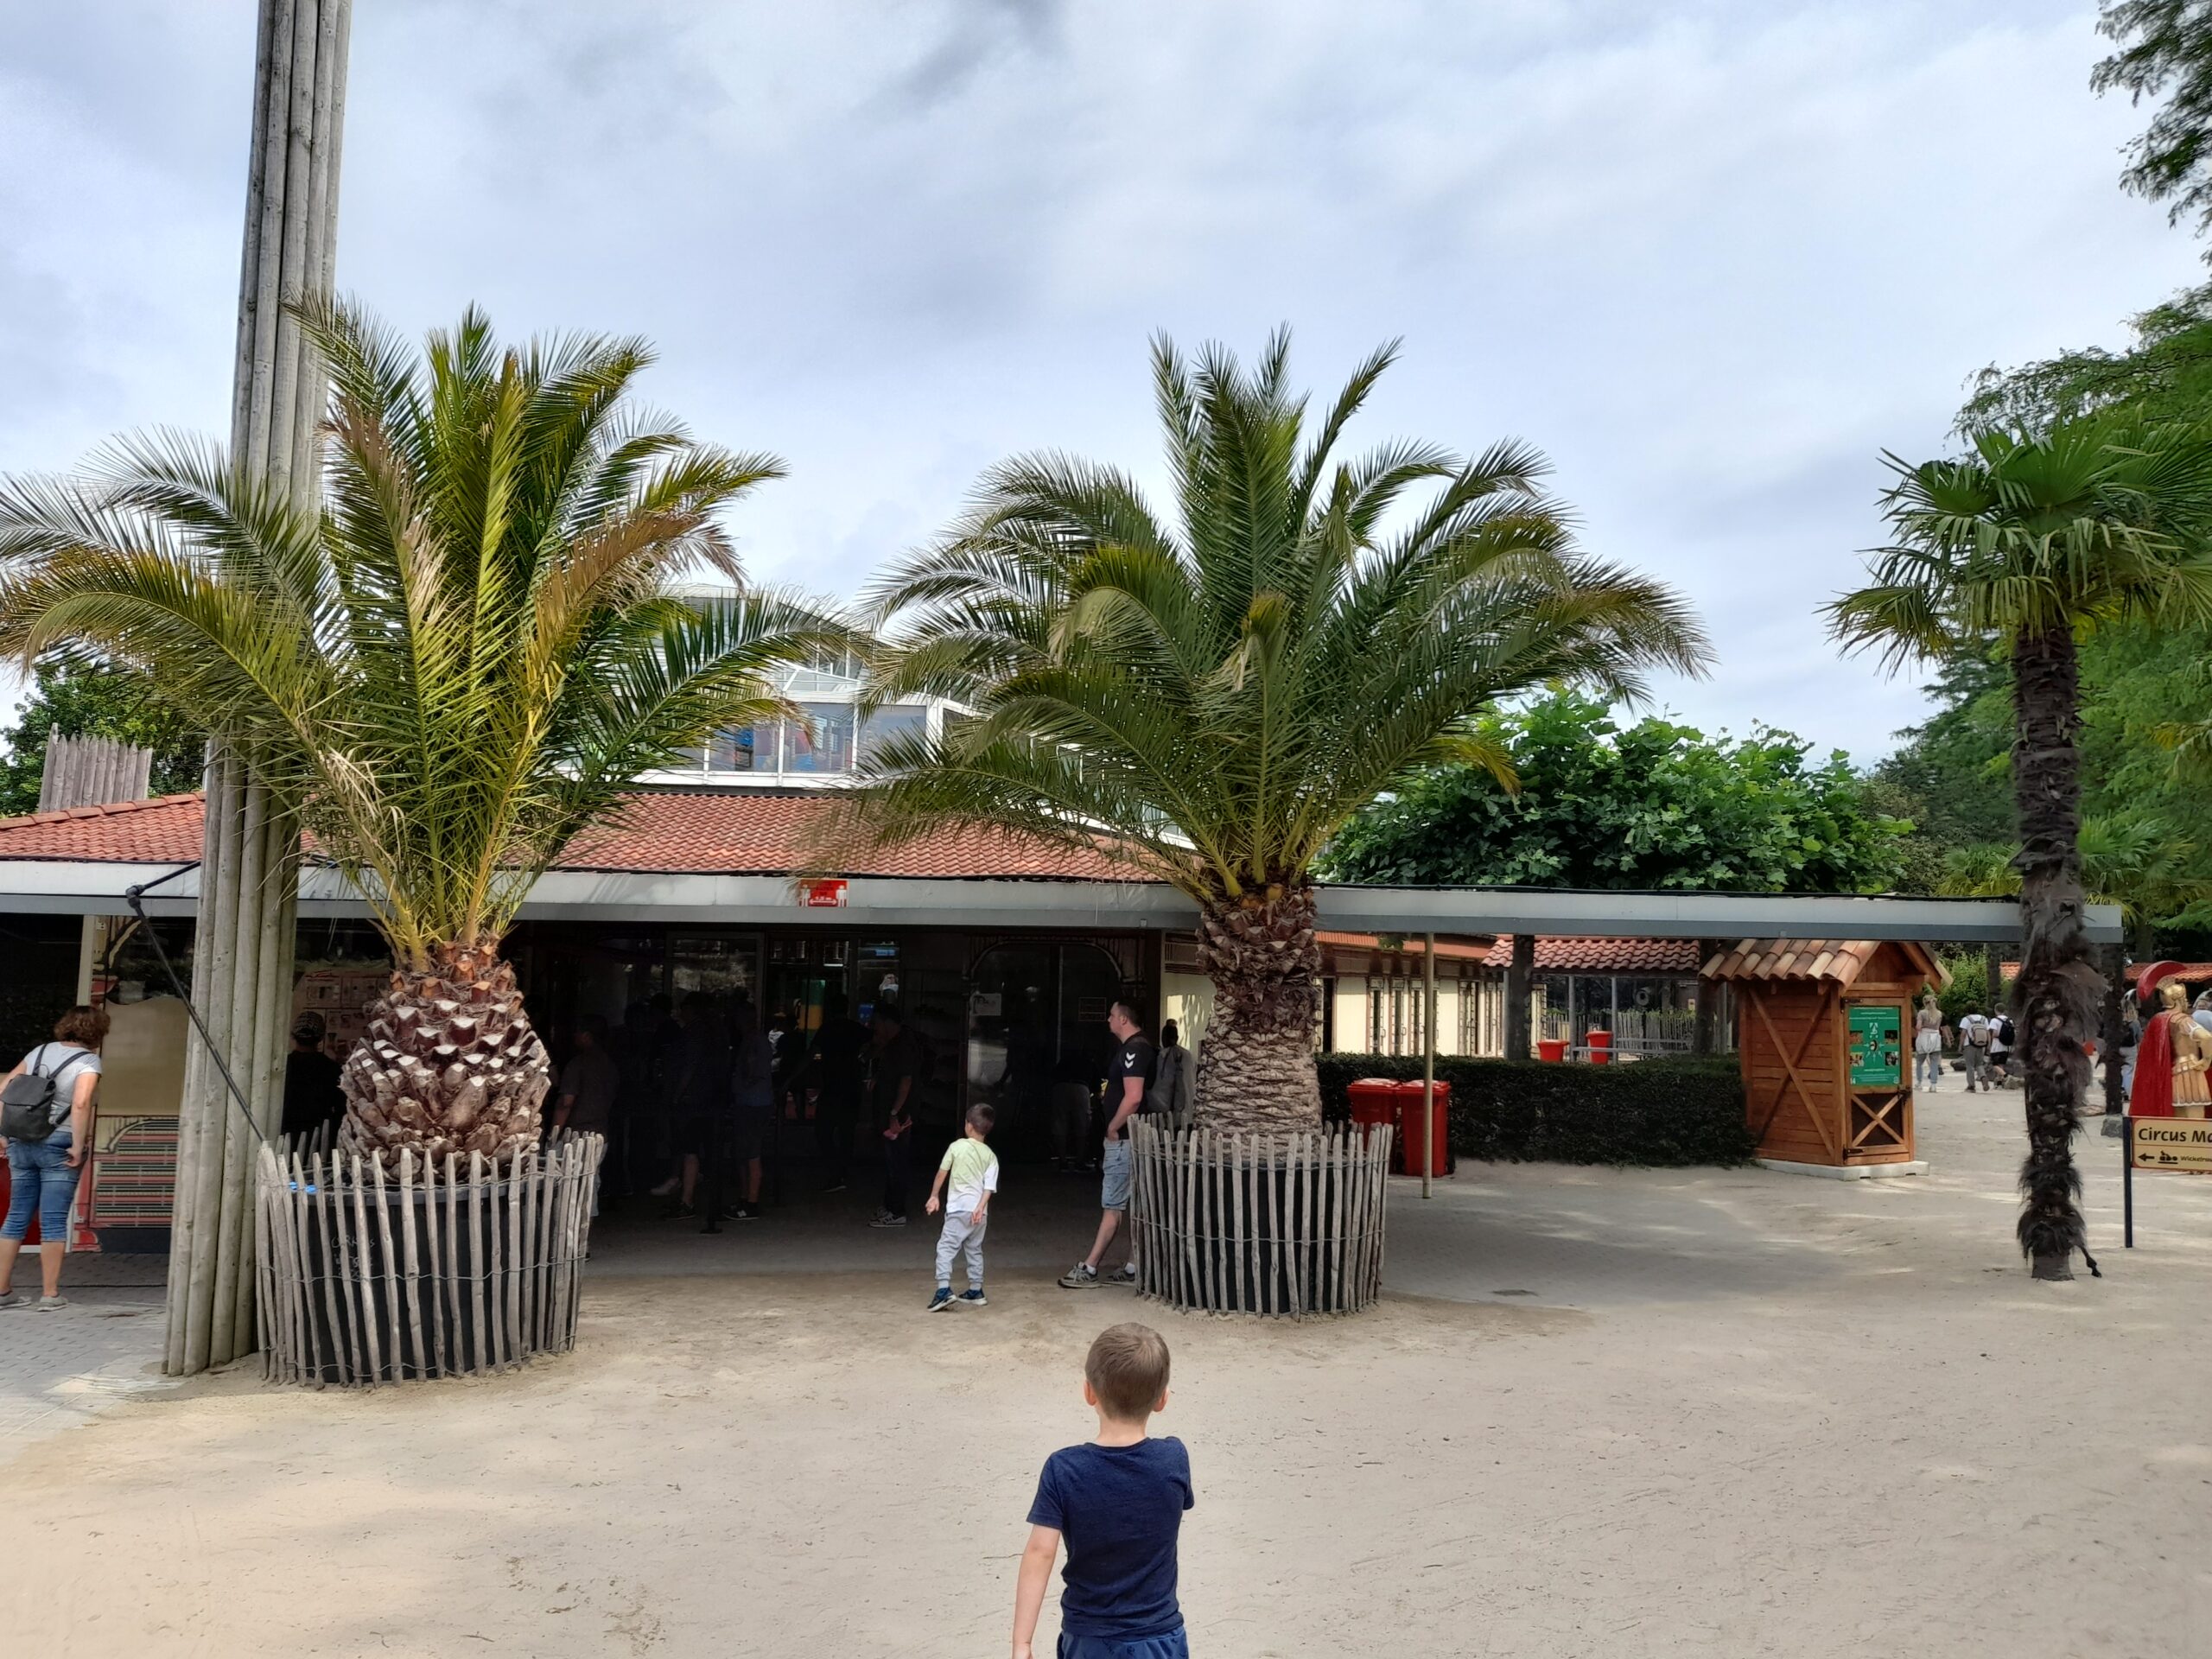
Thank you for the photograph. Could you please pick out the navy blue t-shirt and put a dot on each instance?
(1119, 1507)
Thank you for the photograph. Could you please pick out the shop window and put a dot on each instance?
(899, 721)
(828, 747)
(749, 748)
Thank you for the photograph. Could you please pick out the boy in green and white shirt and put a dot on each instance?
(972, 1169)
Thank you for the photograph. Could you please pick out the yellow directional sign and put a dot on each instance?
(2180, 1144)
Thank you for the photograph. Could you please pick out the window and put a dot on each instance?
(829, 747)
(749, 748)
(901, 719)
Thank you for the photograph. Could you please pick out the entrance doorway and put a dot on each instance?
(1038, 1044)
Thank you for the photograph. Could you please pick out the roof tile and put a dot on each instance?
(722, 832)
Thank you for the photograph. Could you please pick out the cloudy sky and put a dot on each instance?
(1712, 257)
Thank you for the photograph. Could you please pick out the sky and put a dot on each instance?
(1712, 257)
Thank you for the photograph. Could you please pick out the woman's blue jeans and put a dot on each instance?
(41, 1183)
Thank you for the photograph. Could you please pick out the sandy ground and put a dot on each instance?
(1734, 1414)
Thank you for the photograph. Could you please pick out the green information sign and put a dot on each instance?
(1877, 1046)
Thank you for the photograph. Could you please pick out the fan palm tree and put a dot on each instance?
(445, 672)
(2035, 539)
(2142, 864)
(1209, 698)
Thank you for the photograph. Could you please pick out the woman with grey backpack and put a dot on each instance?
(46, 1121)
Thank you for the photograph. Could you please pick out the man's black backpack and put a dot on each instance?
(27, 1101)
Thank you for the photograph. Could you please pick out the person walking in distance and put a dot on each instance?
(1928, 1043)
(1128, 1074)
(898, 1081)
(1973, 1049)
(753, 1099)
(835, 1067)
(313, 1096)
(1173, 1089)
(968, 1176)
(48, 1137)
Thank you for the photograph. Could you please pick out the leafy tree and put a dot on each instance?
(2165, 52)
(447, 671)
(2032, 540)
(1654, 804)
(96, 701)
(1213, 696)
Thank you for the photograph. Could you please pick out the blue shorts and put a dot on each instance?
(1174, 1644)
(1114, 1177)
(41, 1181)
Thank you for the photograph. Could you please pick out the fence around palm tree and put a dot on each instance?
(369, 1276)
(1273, 1224)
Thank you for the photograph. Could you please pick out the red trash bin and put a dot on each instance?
(1601, 1048)
(1405, 1157)
(1551, 1048)
(1374, 1100)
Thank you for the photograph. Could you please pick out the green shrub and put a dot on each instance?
(1659, 1113)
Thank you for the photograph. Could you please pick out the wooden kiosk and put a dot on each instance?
(1824, 1028)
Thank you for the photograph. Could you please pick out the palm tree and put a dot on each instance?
(445, 672)
(2034, 539)
(1209, 699)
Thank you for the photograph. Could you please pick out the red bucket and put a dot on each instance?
(1601, 1048)
(1551, 1048)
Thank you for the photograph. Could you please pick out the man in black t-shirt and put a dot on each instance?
(1128, 1074)
(899, 1069)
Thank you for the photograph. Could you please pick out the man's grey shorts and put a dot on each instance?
(1114, 1180)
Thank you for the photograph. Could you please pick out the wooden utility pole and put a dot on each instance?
(241, 959)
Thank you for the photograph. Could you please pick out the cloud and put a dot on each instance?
(1712, 257)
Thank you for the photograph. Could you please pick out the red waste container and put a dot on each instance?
(1551, 1048)
(1601, 1048)
(1406, 1155)
(1374, 1100)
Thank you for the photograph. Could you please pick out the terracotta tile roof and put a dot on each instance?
(1841, 960)
(706, 832)
(164, 830)
(1601, 956)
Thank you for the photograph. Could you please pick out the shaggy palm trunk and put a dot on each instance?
(2059, 984)
(1255, 1067)
(450, 1063)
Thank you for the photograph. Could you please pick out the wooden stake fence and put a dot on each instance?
(1276, 1225)
(369, 1277)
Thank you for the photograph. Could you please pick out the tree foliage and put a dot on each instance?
(1223, 688)
(1649, 805)
(95, 700)
(2165, 56)
(465, 655)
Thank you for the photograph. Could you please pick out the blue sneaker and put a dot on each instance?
(942, 1300)
(974, 1298)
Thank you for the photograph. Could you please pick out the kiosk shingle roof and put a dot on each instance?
(702, 832)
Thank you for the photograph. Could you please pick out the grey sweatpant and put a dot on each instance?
(961, 1234)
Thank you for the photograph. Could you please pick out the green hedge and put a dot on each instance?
(1660, 1113)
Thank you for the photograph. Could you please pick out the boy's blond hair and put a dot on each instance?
(1127, 1369)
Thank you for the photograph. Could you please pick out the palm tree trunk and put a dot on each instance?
(449, 1064)
(1255, 1067)
(2059, 984)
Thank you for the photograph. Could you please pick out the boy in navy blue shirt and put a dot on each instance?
(1118, 1502)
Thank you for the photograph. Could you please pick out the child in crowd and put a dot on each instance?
(972, 1170)
(1118, 1501)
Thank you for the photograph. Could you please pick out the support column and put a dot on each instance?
(1520, 974)
(242, 961)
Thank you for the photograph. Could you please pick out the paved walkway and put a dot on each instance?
(58, 1369)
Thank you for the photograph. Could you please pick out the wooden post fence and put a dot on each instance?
(1276, 1225)
(367, 1276)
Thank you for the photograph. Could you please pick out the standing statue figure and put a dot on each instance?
(2171, 1066)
